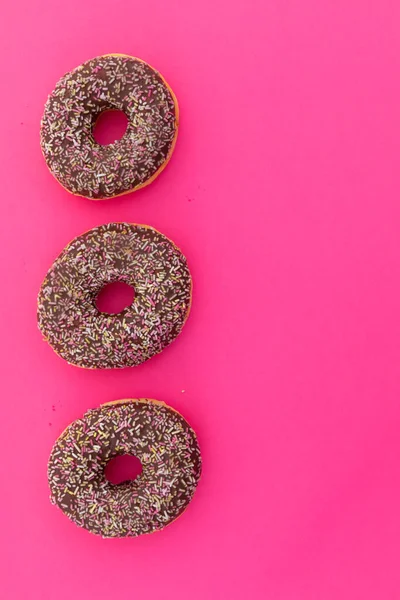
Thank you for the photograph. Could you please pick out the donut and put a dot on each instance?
(137, 255)
(148, 429)
(110, 82)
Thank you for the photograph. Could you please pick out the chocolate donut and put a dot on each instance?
(110, 82)
(137, 255)
(158, 436)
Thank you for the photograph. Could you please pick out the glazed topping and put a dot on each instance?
(158, 436)
(123, 83)
(133, 254)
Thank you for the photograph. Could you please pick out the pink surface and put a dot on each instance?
(283, 192)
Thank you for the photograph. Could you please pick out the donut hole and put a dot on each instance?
(113, 298)
(122, 469)
(109, 127)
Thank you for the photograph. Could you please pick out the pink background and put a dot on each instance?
(283, 192)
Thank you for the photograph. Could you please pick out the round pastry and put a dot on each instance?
(158, 436)
(110, 82)
(136, 255)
